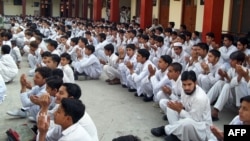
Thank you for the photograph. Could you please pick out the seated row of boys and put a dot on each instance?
(44, 98)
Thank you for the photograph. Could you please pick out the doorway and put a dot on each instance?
(189, 14)
(1, 7)
(46, 8)
(164, 12)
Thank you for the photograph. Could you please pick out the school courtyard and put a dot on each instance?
(114, 110)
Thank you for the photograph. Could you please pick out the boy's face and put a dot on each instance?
(244, 111)
(194, 52)
(64, 61)
(151, 41)
(38, 79)
(139, 58)
(50, 47)
(130, 52)
(162, 64)
(32, 50)
(52, 92)
(188, 86)
(87, 51)
(62, 93)
(51, 64)
(60, 117)
(201, 52)
(177, 50)
(172, 73)
(209, 39)
(63, 40)
(158, 44)
(240, 46)
(167, 33)
(45, 60)
(211, 58)
(107, 53)
(227, 42)
(233, 63)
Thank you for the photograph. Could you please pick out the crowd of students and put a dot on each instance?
(173, 68)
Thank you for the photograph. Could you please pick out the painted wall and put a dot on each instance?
(226, 15)
(156, 9)
(199, 15)
(175, 12)
(56, 8)
(11, 9)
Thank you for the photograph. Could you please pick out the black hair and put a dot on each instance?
(229, 37)
(196, 33)
(203, 46)
(243, 41)
(245, 98)
(84, 40)
(45, 72)
(188, 75)
(167, 59)
(215, 53)
(74, 40)
(65, 36)
(55, 58)
(159, 29)
(5, 49)
(54, 82)
(177, 67)
(57, 72)
(73, 90)
(13, 42)
(109, 47)
(91, 48)
(131, 46)
(183, 37)
(168, 30)
(88, 33)
(53, 43)
(187, 33)
(145, 37)
(239, 56)
(46, 54)
(172, 24)
(34, 44)
(144, 53)
(127, 138)
(210, 34)
(102, 36)
(67, 56)
(74, 108)
(159, 39)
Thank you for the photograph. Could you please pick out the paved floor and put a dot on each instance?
(114, 110)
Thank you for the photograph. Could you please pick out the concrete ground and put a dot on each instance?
(114, 110)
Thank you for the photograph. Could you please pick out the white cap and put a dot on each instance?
(177, 44)
(21, 27)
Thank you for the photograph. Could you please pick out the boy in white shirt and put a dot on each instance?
(88, 65)
(8, 67)
(123, 59)
(141, 71)
(110, 68)
(2, 89)
(156, 79)
(67, 116)
(34, 57)
(209, 75)
(52, 47)
(15, 53)
(65, 66)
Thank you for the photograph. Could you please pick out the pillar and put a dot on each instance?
(213, 18)
(114, 11)
(97, 10)
(23, 8)
(146, 13)
(76, 8)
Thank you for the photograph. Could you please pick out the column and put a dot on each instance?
(23, 8)
(114, 11)
(146, 13)
(76, 8)
(213, 18)
(97, 10)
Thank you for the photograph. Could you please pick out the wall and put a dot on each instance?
(11, 9)
(156, 9)
(133, 8)
(226, 15)
(199, 17)
(175, 12)
(56, 8)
